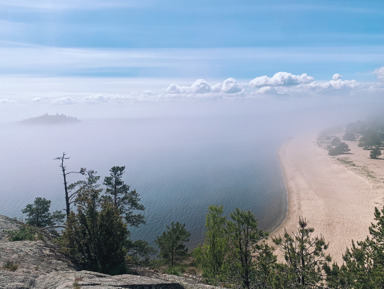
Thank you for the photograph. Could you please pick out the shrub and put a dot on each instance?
(38, 214)
(339, 149)
(375, 153)
(10, 265)
(175, 270)
(25, 233)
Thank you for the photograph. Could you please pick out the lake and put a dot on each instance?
(178, 165)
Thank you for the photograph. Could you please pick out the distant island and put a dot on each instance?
(47, 119)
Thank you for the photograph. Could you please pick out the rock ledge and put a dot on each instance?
(37, 265)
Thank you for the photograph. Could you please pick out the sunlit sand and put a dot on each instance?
(337, 195)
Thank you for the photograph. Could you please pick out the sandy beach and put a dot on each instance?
(337, 195)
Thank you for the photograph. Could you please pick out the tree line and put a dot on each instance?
(370, 135)
(235, 253)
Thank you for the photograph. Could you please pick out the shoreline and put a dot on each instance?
(336, 199)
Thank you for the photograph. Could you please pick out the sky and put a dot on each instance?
(56, 52)
(208, 74)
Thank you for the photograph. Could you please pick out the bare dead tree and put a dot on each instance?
(69, 197)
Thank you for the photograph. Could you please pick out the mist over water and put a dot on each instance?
(181, 158)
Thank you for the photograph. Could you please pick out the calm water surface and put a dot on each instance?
(178, 166)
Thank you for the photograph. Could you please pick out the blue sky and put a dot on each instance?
(181, 41)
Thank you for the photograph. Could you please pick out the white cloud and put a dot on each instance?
(64, 101)
(201, 86)
(216, 88)
(97, 98)
(5, 100)
(284, 83)
(343, 84)
(336, 76)
(66, 91)
(267, 90)
(337, 83)
(174, 89)
(260, 81)
(230, 86)
(281, 79)
(380, 73)
(104, 98)
(280, 84)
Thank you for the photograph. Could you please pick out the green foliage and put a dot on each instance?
(212, 254)
(338, 149)
(349, 136)
(266, 267)
(375, 153)
(358, 127)
(364, 262)
(140, 252)
(10, 266)
(175, 270)
(371, 138)
(38, 214)
(96, 236)
(25, 233)
(172, 243)
(335, 141)
(126, 201)
(304, 256)
(244, 236)
(234, 252)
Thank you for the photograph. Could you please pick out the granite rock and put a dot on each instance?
(37, 264)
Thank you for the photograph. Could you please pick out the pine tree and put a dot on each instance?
(375, 153)
(364, 262)
(95, 237)
(125, 200)
(304, 256)
(38, 214)
(244, 235)
(215, 247)
(266, 267)
(172, 243)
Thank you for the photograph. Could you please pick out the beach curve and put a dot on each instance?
(338, 201)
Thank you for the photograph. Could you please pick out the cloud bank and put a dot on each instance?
(281, 79)
(202, 87)
(281, 84)
(63, 91)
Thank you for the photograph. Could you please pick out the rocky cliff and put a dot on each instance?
(35, 264)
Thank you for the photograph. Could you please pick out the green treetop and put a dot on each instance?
(172, 243)
(38, 214)
(125, 200)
